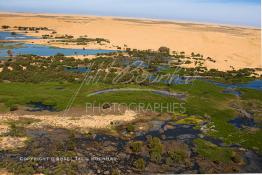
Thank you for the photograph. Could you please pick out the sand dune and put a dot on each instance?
(230, 46)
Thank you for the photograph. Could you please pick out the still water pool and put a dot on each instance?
(18, 48)
(42, 50)
(14, 36)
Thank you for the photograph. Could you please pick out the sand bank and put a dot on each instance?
(82, 122)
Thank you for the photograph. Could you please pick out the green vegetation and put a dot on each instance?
(139, 164)
(58, 95)
(164, 50)
(251, 94)
(45, 93)
(204, 98)
(137, 100)
(156, 149)
(64, 168)
(115, 172)
(30, 28)
(192, 120)
(251, 102)
(16, 131)
(130, 128)
(10, 46)
(53, 81)
(207, 99)
(33, 69)
(17, 126)
(176, 156)
(136, 147)
(232, 76)
(79, 41)
(176, 152)
(213, 152)
(30, 68)
(13, 107)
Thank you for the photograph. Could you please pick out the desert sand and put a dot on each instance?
(12, 142)
(82, 122)
(239, 47)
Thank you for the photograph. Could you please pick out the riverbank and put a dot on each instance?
(230, 46)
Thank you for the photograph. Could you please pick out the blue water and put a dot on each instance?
(42, 50)
(78, 69)
(39, 106)
(139, 64)
(17, 36)
(162, 68)
(256, 84)
(240, 122)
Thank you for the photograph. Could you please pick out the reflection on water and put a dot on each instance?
(241, 122)
(233, 88)
(36, 49)
(256, 84)
(14, 36)
(39, 106)
(77, 69)
(42, 50)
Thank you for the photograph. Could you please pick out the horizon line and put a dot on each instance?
(139, 18)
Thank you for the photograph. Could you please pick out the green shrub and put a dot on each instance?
(17, 126)
(164, 50)
(13, 108)
(136, 146)
(130, 128)
(169, 161)
(115, 172)
(71, 142)
(156, 149)
(212, 151)
(15, 131)
(155, 156)
(235, 157)
(139, 164)
(5, 27)
(155, 144)
(177, 156)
